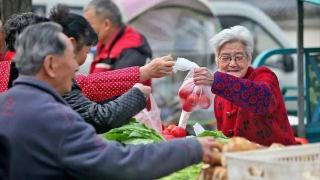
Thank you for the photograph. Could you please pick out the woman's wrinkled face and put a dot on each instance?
(233, 60)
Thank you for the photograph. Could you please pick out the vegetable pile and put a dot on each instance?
(188, 173)
(218, 135)
(134, 133)
(173, 131)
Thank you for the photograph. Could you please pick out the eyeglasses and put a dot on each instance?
(238, 58)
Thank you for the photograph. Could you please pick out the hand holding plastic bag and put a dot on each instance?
(192, 97)
(151, 118)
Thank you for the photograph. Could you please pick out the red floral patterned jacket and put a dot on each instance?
(252, 107)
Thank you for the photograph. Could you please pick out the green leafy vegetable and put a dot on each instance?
(134, 133)
(218, 135)
(188, 173)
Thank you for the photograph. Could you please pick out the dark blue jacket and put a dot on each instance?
(48, 140)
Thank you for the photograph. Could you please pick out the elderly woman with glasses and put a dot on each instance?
(248, 102)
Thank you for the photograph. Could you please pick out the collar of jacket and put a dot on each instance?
(38, 84)
(249, 72)
(125, 37)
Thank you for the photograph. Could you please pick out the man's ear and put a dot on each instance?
(107, 24)
(74, 42)
(49, 66)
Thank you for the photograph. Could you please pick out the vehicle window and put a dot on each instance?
(180, 32)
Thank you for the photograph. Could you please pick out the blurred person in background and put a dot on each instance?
(52, 141)
(248, 102)
(102, 116)
(12, 28)
(119, 45)
(93, 86)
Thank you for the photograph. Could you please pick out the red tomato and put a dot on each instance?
(187, 107)
(166, 132)
(168, 137)
(190, 103)
(178, 132)
(204, 102)
(185, 92)
(192, 99)
(170, 127)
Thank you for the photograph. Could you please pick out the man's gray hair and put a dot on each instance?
(35, 43)
(233, 34)
(107, 10)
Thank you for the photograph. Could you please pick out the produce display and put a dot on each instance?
(137, 133)
(218, 171)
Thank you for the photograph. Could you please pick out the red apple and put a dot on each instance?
(179, 132)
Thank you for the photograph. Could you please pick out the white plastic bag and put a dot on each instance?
(151, 118)
(183, 64)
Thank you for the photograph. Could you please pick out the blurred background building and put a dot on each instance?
(284, 13)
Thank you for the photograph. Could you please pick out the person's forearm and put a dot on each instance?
(101, 86)
(247, 94)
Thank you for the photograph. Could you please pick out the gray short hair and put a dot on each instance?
(232, 34)
(35, 43)
(107, 10)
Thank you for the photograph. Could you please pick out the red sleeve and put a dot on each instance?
(101, 86)
(4, 75)
(259, 94)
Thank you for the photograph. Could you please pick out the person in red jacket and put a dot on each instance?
(97, 87)
(248, 102)
(119, 45)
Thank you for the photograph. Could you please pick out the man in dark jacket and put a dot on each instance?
(48, 140)
(119, 45)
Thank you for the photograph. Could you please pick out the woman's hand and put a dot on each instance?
(157, 68)
(202, 76)
(146, 90)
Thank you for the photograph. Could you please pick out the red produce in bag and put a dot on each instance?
(151, 118)
(194, 97)
(191, 97)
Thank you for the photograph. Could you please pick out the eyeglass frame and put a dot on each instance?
(233, 57)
